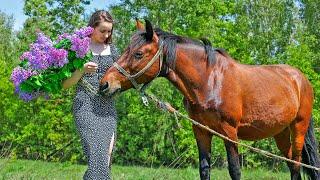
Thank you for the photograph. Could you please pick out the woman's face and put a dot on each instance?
(101, 32)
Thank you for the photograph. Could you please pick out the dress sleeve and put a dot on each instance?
(115, 53)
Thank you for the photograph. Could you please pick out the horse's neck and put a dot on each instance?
(192, 72)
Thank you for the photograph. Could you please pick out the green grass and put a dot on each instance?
(26, 169)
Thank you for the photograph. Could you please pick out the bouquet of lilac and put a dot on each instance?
(47, 63)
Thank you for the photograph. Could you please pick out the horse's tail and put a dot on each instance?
(310, 153)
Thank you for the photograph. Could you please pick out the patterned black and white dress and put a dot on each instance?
(96, 119)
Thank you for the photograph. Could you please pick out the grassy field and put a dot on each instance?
(25, 169)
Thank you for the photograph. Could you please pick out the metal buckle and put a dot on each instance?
(145, 100)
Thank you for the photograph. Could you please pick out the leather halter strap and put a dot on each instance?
(133, 78)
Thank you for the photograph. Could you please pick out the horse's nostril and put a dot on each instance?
(104, 87)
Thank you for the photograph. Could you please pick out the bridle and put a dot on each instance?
(132, 78)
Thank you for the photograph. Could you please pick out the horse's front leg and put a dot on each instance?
(233, 160)
(203, 138)
(232, 152)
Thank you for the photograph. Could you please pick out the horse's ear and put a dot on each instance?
(139, 25)
(149, 30)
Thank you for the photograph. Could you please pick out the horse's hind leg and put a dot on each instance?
(299, 126)
(298, 130)
(283, 143)
(203, 138)
(292, 149)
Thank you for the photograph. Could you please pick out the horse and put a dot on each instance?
(248, 102)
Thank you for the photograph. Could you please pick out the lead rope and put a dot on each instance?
(89, 87)
(166, 106)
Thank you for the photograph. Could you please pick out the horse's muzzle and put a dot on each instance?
(103, 88)
(106, 89)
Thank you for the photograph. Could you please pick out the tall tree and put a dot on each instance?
(7, 39)
(266, 27)
(7, 54)
(60, 15)
(183, 17)
(52, 17)
(311, 16)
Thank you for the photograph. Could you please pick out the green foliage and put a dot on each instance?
(27, 169)
(148, 136)
(264, 32)
(311, 16)
(60, 15)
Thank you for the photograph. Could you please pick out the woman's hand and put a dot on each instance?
(90, 67)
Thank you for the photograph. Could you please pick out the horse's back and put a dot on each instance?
(275, 80)
(271, 98)
(271, 84)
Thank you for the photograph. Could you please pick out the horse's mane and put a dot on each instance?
(171, 40)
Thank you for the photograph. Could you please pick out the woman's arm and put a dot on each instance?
(75, 77)
(89, 67)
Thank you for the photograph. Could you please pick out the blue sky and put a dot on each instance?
(15, 8)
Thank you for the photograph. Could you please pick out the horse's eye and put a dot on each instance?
(138, 55)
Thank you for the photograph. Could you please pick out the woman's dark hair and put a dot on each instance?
(101, 16)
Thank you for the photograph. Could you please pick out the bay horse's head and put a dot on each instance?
(140, 63)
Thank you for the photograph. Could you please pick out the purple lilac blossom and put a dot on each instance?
(80, 46)
(39, 59)
(84, 32)
(44, 40)
(24, 95)
(63, 36)
(19, 75)
(25, 55)
(42, 55)
(38, 56)
(59, 57)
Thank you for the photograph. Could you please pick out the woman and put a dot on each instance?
(95, 116)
